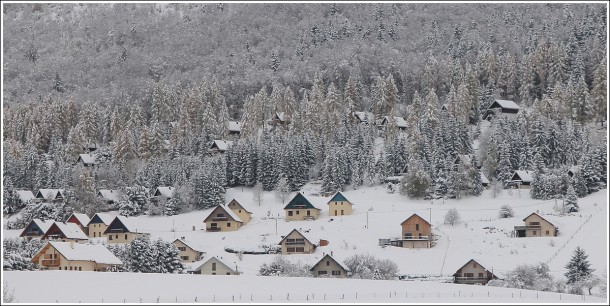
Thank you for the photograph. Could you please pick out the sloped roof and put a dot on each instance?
(110, 194)
(508, 104)
(49, 194)
(299, 200)
(226, 210)
(104, 217)
(484, 179)
(413, 215)
(526, 176)
(302, 235)
(242, 207)
(234, 126)
(365, 116)
(342, 265)
(167, 192)
(463, 158)
(87, 158)
(43, 225)
(399, 121)
(339, 197)
(212, 258)
(82, 218)
(129, 224)
(87, 252)
(540, 218)
(222, 145)
(25, 195)
(478, 262)
(191, 245)
(70, 230)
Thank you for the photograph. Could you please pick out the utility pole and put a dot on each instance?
(430, 208)
(276, 226)
(367, 219)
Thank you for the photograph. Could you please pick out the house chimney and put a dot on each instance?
(72, 244)
(182, 238)
(331, 253)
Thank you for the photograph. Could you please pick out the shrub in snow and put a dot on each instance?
(534, 277)
(571, 200)
(452, 217)
(142, 255)
(280, 266)
(368, 267)
(172, 207)
(506, 212)
(416, 183)
(578, 267)
(497, 283)
(18, 253)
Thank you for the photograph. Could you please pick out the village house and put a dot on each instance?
(90, 147)
(122, 230)
(215, 266)
(500, 107)
(299, 208)
(65, 232)
(279, 118)
(72, 256)
(484, 179)
(234, 127)
(240, 211)
(339, 205)
(222, 219)
(81, 220)
(416, 233)
(573, 170)
(399, 122)
(50, 195)
(536, 226)
(296, 243)
(86, 160)
(110, 196)
(444, 107)
(461, 161)
(26, 196)
(98, 225)
(521, 179)
(473, 273)
(163, 193)
(189, 252)
(329, 267)
(36, 228)
(364, 117)
(220, 146)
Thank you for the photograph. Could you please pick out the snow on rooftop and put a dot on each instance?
(49, 194)
(71, 230)
(167, 192)
(87, 158)
(234, 126)
(25, 195)
(105, 217)
(87, 252)
(484, 179)
(110, 194)
(223, 145)
(526, 176)
(82, 218)
(365, 116)
(43, 225)
(507, 104)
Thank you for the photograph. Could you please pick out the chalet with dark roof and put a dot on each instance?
(473, 273)
(339, 205)
(299, 208)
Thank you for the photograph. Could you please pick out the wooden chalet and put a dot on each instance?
(98, 225)
(51, 195)
(189, 251)
(416, 233)
(279, 118)
(66, 232)
(299, 208)
(122, 230)
(339, 205)
(240, 211)
(220, 146)
(86, 160)
(163, 193)
(521, 179)
(399, 122)
(215, 266)
(473, 273)
(296, 243)
(222, 219)
(329, 267)
(364, 117)
(234, 127)
(81, 220)
(110, 196)
(500, 107)
(26, 196)
(70, 256)
(36, 228)
(536, 226)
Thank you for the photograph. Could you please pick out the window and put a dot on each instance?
(322, 272)
(220, 215)
(80, 268)
(297, 212)
(417, 227)
(336, 272)
(228, 273)
(290, 250)
(94, 233)
(228, 224)
(70, 268)
(480, 275)
(239, 211)
(213, 266)
(535, 233)
(308, 212)
(474, 264)
(547, 232)
(419, 236)
(300, 249)
(468, 274)
(182, 249)
(342, 212)
(213, 273)
(534, 223)
(65, 268)
(109, 237)
(184, 257)
(116, 236)
(328, 262)
(290, 213)
(408, 235)
(125, 236)
(335, 212)
(59, 268)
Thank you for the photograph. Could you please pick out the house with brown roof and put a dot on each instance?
(122, 230)
(82, 220)
(299, 208)
(222, 219)
(72, 256)
(36, 228)
(339, 205)
(416, 233)
(473, 273)
(329, 267)
(215, 266)
(98, 225)
(189, 252)
(240, 211)
(536, 226)
(296, 243)
(66, 232)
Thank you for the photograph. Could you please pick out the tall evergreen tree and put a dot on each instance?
(578, 267)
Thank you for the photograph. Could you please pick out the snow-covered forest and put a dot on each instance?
(152, 86)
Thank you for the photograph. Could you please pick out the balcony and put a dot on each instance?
(219, 218)
(532, 227)
(213, 229)
(50, 262)
(295, 243)
(416, 238)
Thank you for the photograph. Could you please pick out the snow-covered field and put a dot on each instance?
(481, 236)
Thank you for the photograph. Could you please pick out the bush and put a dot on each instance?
(534, 277)
(506, 212)
(368, 267)
(280, 266)
(453, 217)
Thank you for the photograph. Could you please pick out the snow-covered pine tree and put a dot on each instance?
(578, 267)
(141, 256)
(506, 212)
(571, 200)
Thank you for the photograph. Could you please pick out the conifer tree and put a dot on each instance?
(578, 267)
(571, 200)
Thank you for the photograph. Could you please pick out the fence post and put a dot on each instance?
(195, 299)
(325, 296)
(271, 297)
(343, 297)
(487, 293)
(356, 295)
(214, 297)
(519, 293)
(140, 300)
(250, 296)
(536, 295)
(176, 299)
(288, 296)
(233, 296)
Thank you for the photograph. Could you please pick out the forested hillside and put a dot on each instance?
(152, 85)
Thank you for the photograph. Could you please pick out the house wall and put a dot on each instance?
(329, 265)
(410, 226)
(96, 230)
(221, 269)
(121, 237)
(300, 214)
(192, 254)
(308, 248)
(546, 229)
(240, 212)
(64, 264)
(479, 274)
(416, 244)
(335, 208)
(224, 226)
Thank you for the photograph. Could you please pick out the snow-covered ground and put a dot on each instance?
(481, 236)
(168, 288)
